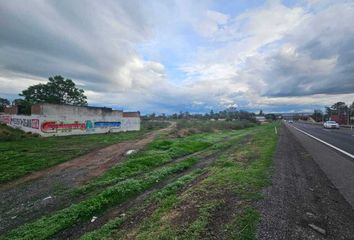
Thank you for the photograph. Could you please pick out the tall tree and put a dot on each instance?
(58, 90)
(339, 107)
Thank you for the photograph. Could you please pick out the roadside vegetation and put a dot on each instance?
(199, 126)
(222, 204)
(187, 186)
(23, 153)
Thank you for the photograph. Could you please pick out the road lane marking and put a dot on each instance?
(326, 143)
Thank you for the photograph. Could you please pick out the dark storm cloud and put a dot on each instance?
(306, 73)
(118, 50)
(80, 39)
(323, 57)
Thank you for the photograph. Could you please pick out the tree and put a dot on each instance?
(23, 106)
(351, 112)
(328, 111)
(339, 108)
(58, 90)
(3, 103)
(271, 116)
(317, 115)
(260, 112)
(212, 113)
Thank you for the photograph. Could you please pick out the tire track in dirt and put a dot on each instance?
(23, 200)
(83, 227)
(189, 209)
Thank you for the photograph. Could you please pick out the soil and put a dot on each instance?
(39, 193)
(83, 227)
(302, 203)
(302, 196)
(131, 224)
(221, 216)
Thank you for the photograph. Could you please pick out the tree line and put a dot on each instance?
(228, 114)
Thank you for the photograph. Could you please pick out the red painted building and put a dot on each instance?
(341, 119)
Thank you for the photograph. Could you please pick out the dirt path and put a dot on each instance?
(34, 194)
(83, 227)
(302, 203)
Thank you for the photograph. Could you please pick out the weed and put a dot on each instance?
(49, 225)
(157, 197)
(22, 154)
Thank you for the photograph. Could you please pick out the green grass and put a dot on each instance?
(136, 174)
(242, 172)
(159, 152)
(9, 134)
(47, 226)
(244, 226)
(171, 189)
(242, 169)
(24, 153)
(196, 126)
(197, 227)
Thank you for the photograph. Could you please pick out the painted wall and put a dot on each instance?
(63, 125)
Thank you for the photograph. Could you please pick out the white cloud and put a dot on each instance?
(210, 23)
(278, 50)
(126, 53)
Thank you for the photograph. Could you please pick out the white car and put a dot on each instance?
(331, 124)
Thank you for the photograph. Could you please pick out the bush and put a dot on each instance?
(198, 126)
(153, 125)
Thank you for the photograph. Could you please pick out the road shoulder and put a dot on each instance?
(302, 202)
(338, 167)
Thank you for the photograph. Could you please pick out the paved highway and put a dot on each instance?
(342, 138)
(338, 166)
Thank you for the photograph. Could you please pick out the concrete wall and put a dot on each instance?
(63, 120)
(46, 109)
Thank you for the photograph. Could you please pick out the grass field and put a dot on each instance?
(22, 153)
(198, 186)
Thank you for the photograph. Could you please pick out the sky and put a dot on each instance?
(166, 56)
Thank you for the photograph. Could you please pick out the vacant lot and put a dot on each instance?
(195, 185)
(22, 153)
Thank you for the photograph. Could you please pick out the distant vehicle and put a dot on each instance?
(290, 121)
(331, 124)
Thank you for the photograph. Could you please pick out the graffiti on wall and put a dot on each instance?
(24, 122)
(89, 126)
(5, 119)
(128, 123)
(107, 124)
(54, 126)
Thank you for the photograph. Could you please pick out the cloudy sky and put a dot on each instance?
(167, 56)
